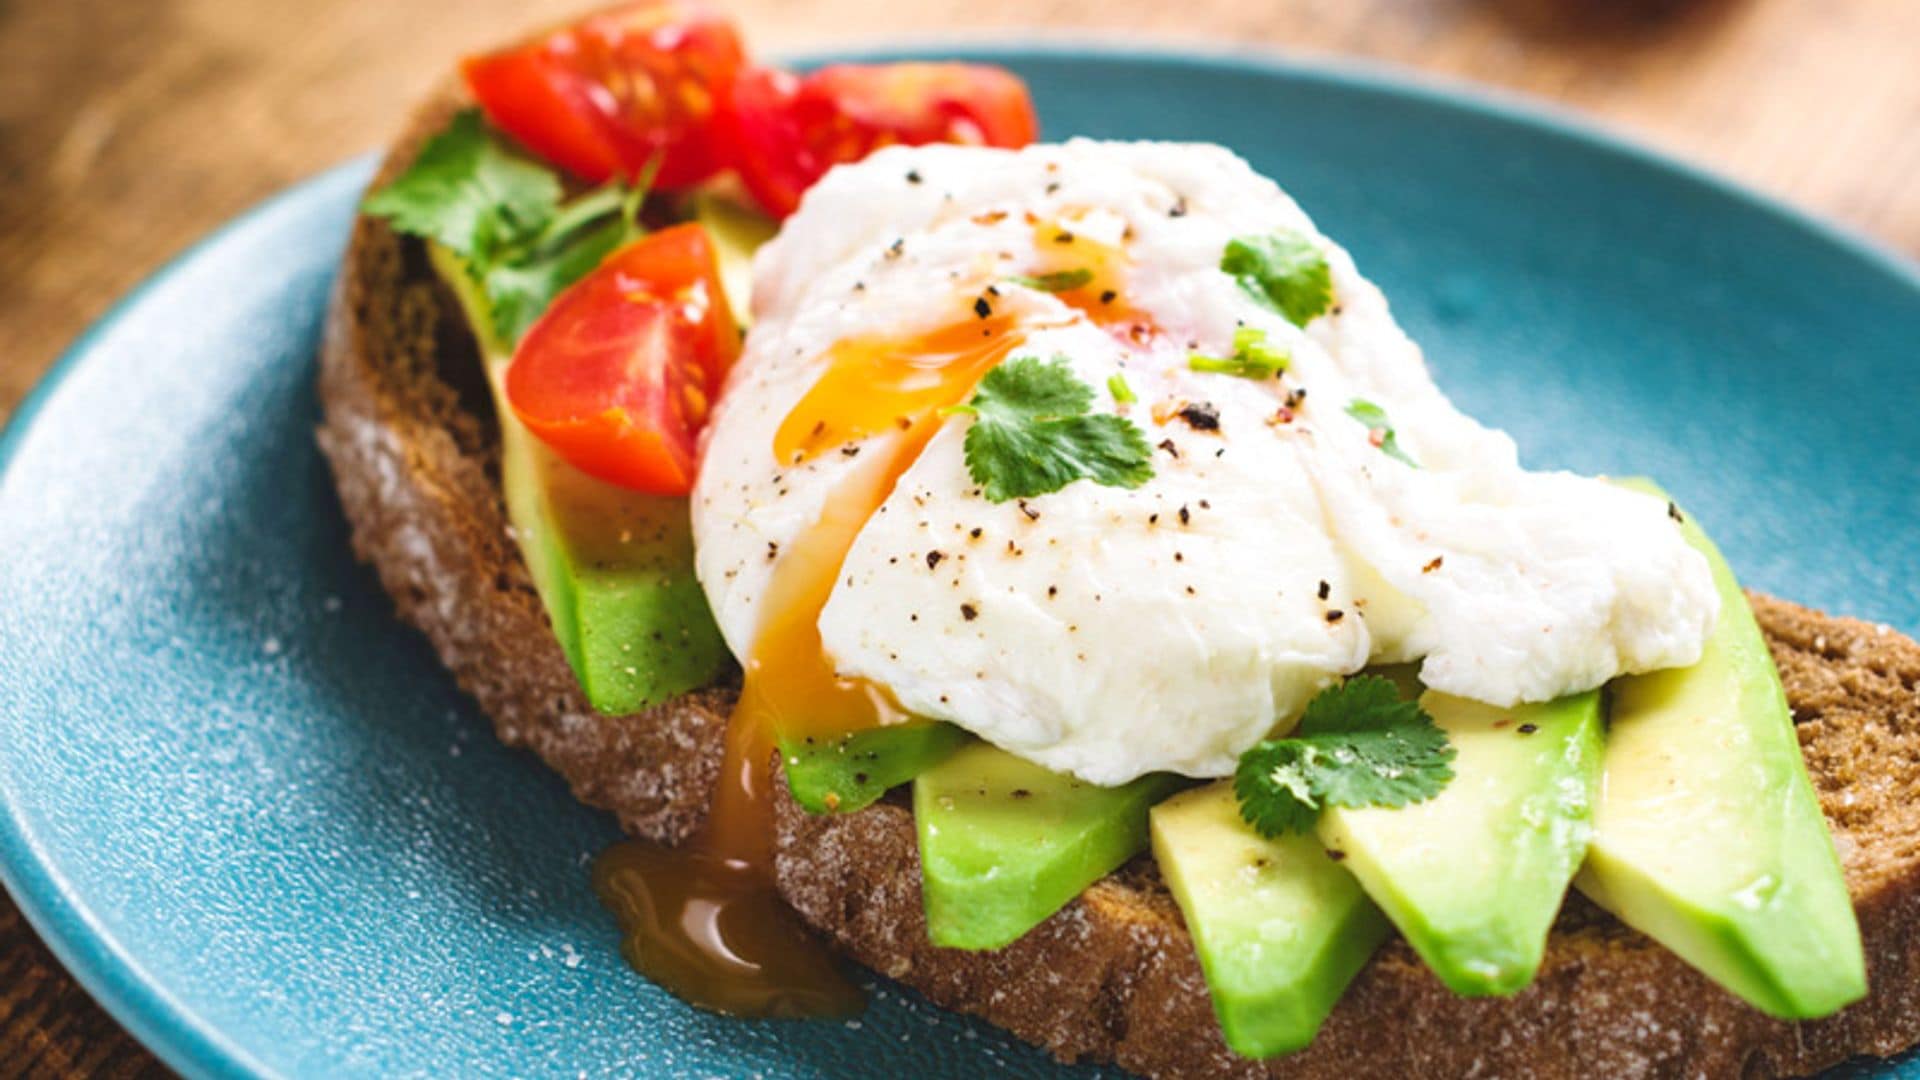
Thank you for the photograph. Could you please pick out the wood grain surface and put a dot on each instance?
(130, 127)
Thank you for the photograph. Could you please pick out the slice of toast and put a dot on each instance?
(410, 433)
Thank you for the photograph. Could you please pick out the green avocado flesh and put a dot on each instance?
(737, 232)
(613, 567)
(841, 775)
(1004, 843)
(1279, 926)
(1474, 876)
(1709, 838)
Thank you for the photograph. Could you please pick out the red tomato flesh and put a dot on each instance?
(785, 132)
(619, 375)
(602, 96)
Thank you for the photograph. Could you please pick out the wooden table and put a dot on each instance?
(128, 129)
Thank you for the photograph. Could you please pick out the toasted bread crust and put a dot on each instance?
(415, 466)
(1113, 976)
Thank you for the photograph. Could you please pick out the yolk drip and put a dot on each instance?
(1058, 248)
(704, 919)
(791, 688)
(878, 384)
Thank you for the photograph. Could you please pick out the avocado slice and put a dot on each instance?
(1279, 926)
(1709, 837)
(844, 774)
(1474, 876)
(613, 567)
(1004, 843)
(737, 231)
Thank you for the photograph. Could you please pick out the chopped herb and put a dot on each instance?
(1033, 432)
(1359, 744)
(1122, 393)
(1379, 429)
(469, 192)
(1057, 281)
(1284, 271)
(502, 214)
(1252, 357)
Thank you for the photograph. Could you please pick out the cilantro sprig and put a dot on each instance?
(1252, 357)
(1380, 429)
(1283, 270)
(504, 215)
(1034, 432)
(1358, 744)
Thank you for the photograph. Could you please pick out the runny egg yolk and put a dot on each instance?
(877, 384)
(1059, 248)
(704, 918)
(871, 385)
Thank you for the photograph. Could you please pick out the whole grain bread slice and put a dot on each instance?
(410, 433)
(409, 429)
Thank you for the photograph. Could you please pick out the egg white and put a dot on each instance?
(1109, 632)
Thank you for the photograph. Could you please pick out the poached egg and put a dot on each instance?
(1110, 632)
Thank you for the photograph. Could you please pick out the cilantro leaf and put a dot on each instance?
(502, 214)
(1252, 357)
(469, 192)
(1358, 744)
(1375, 418)
(1057, 281)
(1033, 433)
(1284, 271)
(521, 287)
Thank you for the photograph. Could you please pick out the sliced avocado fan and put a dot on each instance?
(1709, 837)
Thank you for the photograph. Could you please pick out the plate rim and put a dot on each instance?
(193, 1046)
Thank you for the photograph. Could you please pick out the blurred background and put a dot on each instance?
(130, 127)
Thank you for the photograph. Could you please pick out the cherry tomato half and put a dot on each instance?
(620, 373)
(602, 96)
(785, 131)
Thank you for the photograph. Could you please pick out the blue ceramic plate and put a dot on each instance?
(250, 811)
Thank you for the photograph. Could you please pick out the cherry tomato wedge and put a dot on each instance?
(602, 96)
(620, 373)
(785, 131)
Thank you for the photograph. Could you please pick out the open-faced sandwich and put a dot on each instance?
(1047, 574)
